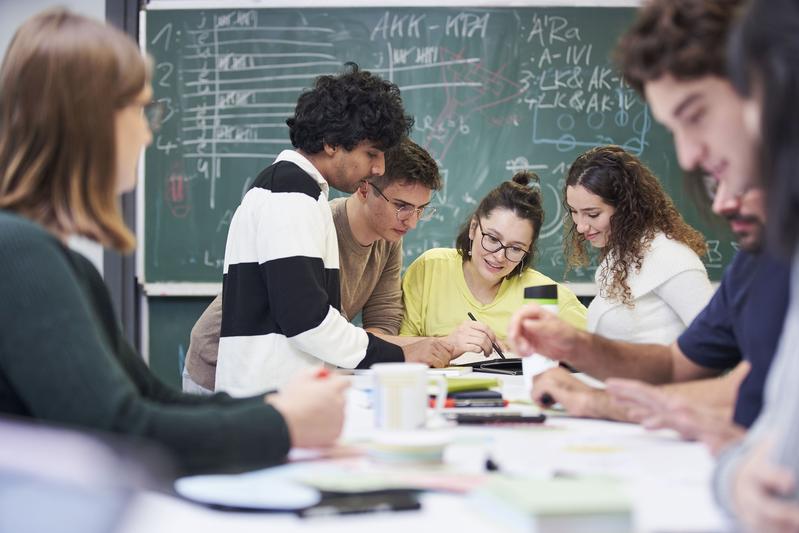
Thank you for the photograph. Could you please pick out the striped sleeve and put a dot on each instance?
(282, 276)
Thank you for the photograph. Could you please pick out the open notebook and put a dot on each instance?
(493, 364)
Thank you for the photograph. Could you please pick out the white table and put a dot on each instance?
(668, 478)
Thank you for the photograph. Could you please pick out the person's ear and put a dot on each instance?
(330, 149)
(472, 228)
(363, 190)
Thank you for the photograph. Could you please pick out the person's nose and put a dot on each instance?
(725, 202)
(690, 151)
(582, 226)
(411, 221)
(379, 165)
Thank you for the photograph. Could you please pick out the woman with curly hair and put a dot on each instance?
(651, 281)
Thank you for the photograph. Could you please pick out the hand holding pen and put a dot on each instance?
(471, 336)
(474, 336)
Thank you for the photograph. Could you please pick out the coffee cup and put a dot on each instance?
(400, 395)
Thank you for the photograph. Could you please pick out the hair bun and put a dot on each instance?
(525, 178)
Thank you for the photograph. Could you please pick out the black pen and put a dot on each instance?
(493, 344)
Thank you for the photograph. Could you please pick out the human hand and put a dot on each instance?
(557, 385)
(434, 352)
(534, 330)
(655, 409)
(472, 336)
(759, 491)
(313, 407)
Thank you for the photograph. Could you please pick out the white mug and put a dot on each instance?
(400, 395)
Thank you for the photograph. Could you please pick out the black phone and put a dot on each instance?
(476, 395)
(497, 418)
(363, 502)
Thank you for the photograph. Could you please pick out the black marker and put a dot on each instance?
(493, 344)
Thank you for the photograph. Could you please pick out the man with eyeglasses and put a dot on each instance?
(369, 225)
(738, 330)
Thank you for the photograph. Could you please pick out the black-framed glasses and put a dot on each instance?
(406, 211)
(491, 244)
(154, 112)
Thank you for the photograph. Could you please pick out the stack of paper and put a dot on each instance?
(589, 505)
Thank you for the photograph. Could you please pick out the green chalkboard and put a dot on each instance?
(492, 91)
(170, 320)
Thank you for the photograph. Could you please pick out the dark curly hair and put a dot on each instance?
(683, 38)
(408, 162)
(516, 195)
(763, 53)
(642, 209)
(346, 109)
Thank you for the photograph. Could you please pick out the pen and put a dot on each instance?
(493, 344)
(477, 402)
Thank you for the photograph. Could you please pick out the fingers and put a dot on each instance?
(774, 479)
(517, 330)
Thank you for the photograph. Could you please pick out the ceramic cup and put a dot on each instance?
(401, 395)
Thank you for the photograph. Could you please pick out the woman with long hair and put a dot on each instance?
(651, 281)
(75, 113)
(485, 274)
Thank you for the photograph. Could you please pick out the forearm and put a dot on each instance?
(604, 358)
(718, 393)
(399, 340)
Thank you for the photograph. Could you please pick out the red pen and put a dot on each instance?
(477, 402)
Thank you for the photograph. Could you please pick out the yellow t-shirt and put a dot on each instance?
(436, 297)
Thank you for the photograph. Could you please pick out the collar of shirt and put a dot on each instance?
(298, 159)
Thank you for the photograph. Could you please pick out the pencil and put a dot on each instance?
(493, 344)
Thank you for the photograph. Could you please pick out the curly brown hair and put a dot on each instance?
(683, 38)
(642, 209)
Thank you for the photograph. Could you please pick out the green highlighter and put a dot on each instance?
(547, 297)
(544, 295)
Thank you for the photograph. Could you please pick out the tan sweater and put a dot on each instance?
(370, 284)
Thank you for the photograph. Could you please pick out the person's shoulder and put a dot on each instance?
(19, 232)
(665, 251)
(287, 177)
(338, 206)
(531, 277)
(438, 256)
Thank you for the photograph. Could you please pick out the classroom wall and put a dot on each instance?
(12, 14)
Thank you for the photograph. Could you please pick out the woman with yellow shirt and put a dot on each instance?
(485, 274)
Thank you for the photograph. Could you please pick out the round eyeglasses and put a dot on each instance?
(492, 245)
(405, 211)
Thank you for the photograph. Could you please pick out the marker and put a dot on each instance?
(493, 344)
(477, 402)
(322, 373)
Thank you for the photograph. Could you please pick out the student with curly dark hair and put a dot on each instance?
(651, 282)
(281, 305)
(485, 274)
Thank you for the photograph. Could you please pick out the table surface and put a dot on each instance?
(668, 479)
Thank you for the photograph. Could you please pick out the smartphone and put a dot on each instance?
(476, 395)
(365, 502)
(498, 418)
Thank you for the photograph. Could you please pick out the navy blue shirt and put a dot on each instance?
(743, 321)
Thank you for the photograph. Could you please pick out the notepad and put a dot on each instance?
(592, 505)
(469, 383)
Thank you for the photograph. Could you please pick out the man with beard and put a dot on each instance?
(674, 56)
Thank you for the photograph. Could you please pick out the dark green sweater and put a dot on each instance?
(63, 359)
